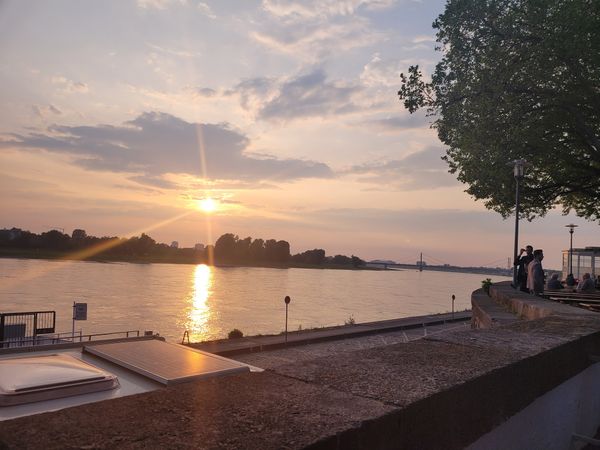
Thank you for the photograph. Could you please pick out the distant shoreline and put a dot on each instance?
(61, 256)
(53, 255)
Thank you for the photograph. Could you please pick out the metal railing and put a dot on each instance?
(20, 325)
(65, 338)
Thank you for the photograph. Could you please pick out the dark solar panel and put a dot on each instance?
(165, 362)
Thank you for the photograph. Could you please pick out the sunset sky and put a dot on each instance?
(120, 117)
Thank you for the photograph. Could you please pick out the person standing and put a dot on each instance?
(522, 261)
(535, 273)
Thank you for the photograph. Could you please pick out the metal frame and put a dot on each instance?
(34, 323)
(574, 261)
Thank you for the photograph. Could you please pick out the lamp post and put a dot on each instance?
(571, 228)
(287, 301)
(519, 171)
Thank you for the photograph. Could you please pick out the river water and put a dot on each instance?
(211, 301)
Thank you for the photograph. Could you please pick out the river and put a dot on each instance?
(211, 301)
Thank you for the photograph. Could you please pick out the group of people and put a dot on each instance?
(530, 274)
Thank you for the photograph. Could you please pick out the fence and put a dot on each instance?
(26, 325)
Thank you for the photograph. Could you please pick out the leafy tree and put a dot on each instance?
(55, 240)
(357, 262)
(243, 249)
(257, 250)
(270, 249)
(277, 251)
(315, 256)
(225, 247)
(518, 79)
(282, 252)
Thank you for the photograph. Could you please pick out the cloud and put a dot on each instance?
(317, 29)
(204, 92)
(154, 181)
(381, 73)
(159, 4)
(321, 8)
(306, 95)
(400, 123)
(318, 38)
(423, 38)
(205, 9)
(420, 170)
(44, 111)
(155, 144)
(182, 53)
(70, 86)
(424, 220)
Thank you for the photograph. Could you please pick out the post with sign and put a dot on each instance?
(453, 298)
(287, 301)
(79, 313)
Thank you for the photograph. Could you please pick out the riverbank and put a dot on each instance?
(250, 344)
(160, 259)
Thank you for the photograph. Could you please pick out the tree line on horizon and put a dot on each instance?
(228, 249)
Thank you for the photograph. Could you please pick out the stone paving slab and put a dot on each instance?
(525, 337)
(291, 355)
(399, 374)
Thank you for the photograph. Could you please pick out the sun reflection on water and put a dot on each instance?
(199, 310)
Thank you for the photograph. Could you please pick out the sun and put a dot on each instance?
(207, 205)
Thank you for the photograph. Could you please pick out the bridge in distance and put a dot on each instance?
(441, 268)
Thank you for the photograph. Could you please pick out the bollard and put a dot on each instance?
(287, 301)
(453, 297)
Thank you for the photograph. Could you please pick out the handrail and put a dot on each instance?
(61, 338)
(186, 334)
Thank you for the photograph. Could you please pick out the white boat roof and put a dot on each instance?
(165, 362)
(30, 379)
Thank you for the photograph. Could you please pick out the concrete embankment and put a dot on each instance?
(230, 347)
(444, 391)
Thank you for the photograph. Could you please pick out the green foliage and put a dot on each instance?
(235, 334)
(350, 320)
(486, 284)
(518, 79)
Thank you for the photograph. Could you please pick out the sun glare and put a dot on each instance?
(200, 312)
(207, 205)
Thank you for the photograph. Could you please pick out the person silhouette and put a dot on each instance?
(521, 262)
(535, 273)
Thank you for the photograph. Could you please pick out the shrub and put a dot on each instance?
(350, 320)
(235, 334)
(486, 284)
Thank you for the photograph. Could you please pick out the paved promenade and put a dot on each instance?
(419, 324)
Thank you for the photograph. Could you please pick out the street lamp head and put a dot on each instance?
(571, 226)
(519, 167)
